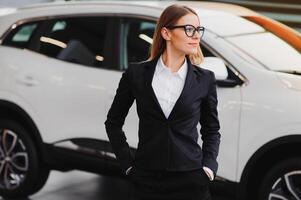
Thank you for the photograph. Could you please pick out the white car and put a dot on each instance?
(60, 64)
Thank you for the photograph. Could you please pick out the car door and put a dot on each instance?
(67, 87)
(229, 105)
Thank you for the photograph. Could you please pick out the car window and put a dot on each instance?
(136, 35)
(260, 37)
(285, 57)
(20, 37)
(81, 40)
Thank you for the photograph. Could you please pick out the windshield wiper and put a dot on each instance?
(295, 72)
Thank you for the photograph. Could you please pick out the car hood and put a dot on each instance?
(291, 81)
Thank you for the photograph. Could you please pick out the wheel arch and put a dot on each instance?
(270, 153)
(12, 111)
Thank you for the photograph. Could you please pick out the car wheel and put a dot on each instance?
(21, 173)
(282, 182)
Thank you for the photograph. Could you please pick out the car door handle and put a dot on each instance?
(27, 81)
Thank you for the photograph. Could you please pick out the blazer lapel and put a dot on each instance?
(189, 83)
(149, 74)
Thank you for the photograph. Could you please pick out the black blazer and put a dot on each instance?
(166, 143)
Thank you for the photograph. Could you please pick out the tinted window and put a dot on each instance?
(137, 35)
(79, 40)
(21, 36)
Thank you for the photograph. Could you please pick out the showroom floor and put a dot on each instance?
(78, 185)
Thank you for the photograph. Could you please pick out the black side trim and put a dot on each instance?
(84, 154)
(63, 159)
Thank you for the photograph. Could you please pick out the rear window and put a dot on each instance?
(21, 36)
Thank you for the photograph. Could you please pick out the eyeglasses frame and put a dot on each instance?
(184, 27)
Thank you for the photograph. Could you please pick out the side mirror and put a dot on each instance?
(217, 66)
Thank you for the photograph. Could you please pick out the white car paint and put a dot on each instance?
(76, 99)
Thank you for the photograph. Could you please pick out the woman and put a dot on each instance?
(172, 95)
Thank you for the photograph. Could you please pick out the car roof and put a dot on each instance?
(213, 6)
(212, 13)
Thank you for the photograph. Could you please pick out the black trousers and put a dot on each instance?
(167, 185)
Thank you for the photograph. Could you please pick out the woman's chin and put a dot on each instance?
(191, 51)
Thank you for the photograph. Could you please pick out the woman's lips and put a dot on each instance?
(193, 44)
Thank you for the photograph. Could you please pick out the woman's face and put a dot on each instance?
(178, 38)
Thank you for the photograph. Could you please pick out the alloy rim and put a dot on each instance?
(13, 160)
(287, 187)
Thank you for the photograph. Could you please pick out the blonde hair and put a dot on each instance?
(169, 17)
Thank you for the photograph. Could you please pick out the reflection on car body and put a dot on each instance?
(59, 73)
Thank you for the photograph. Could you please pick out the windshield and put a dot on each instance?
(277, 47)
(269, 50)
(273, 44)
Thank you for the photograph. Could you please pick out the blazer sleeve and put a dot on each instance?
(117, 113)
(210, 127)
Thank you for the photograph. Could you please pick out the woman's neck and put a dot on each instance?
(173, 60)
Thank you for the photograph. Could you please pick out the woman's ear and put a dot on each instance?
(165, 33)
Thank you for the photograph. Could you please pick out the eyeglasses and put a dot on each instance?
(190, 29)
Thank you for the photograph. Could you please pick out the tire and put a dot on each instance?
(283, 181)
(21, 172)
